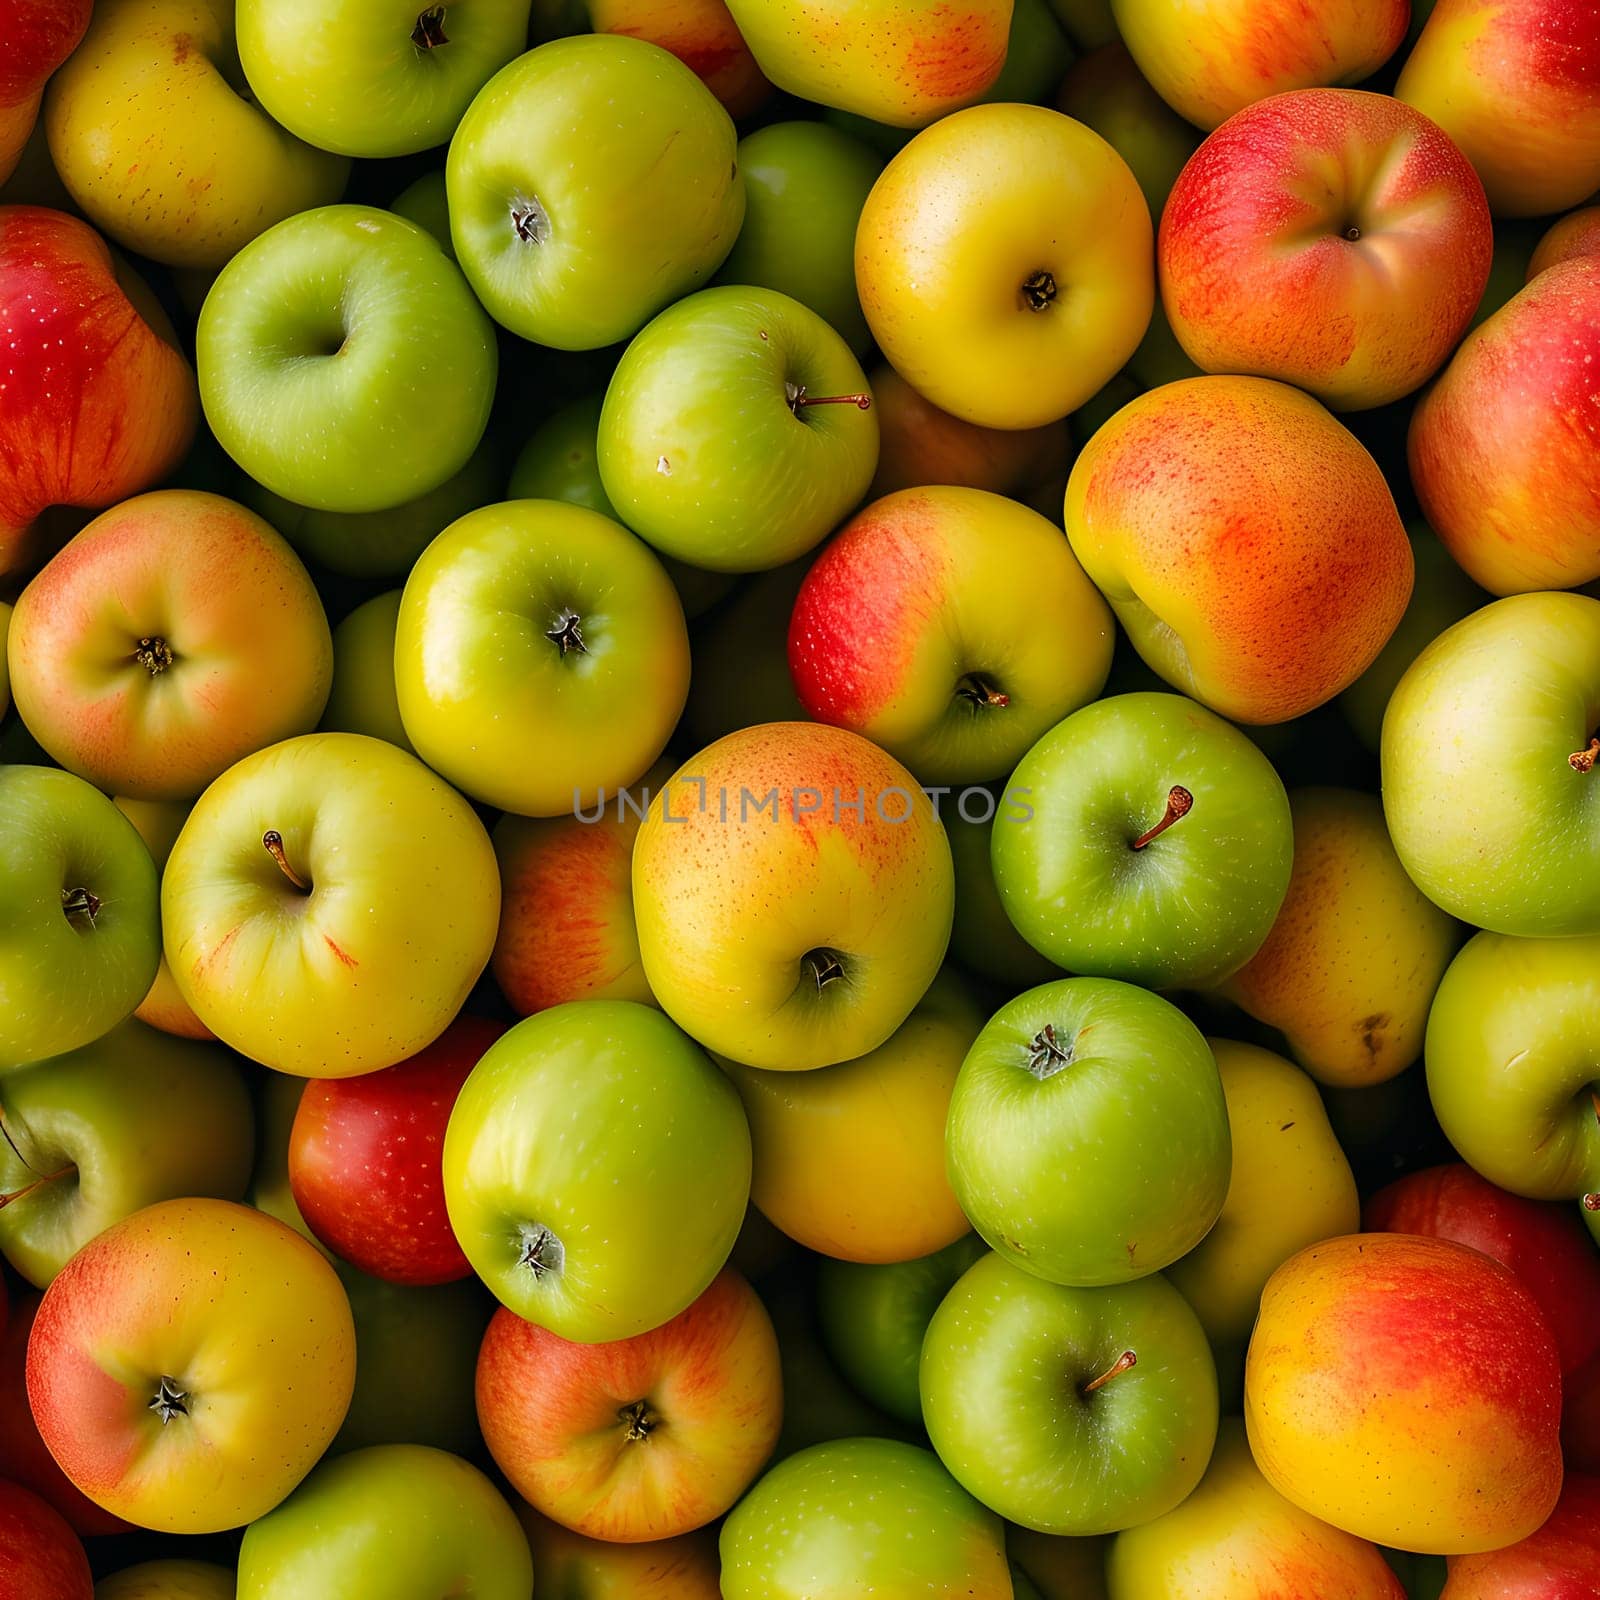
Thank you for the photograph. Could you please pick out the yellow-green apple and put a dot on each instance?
(639, 1438)
(41, 1558)
(536, 625)
(862, 1519)
(1499, 447)
(1089, 24)
(921, 626)
(426, 203)
(40, 35)
(737, 430)
(1068, 1410)
(904, 63)
(1049, 1157)
(1488, 755)
(168, 1580)
(701, 34)
(190, 1364)
(1406, 1390)
(365, 1159)
(1056, 1568)
(1560, 1560)
(577, 245)
(388, 1523)
(1004, 264)
(344, 363)
(1210, 58)
(983, 939)
(277, 1098)
(80, 942)
(374, 77)
(99, 402)
(158, 139)
(1516, 84)
(1350, 967)
(109, 1128)
(328, 905)
(566, 1563)
(1246, 541)
(793, 892)
(836, 1175)
(1575, 236)
(170, 638)
(1237, 1538)
(1331, 238)
(596, 1169)
(362, 697)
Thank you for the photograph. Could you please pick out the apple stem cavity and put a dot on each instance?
(795, 394)
(272, 841)
(429, 32)
(170, 1401)
(1126, 1362)
(1179, 804)
(1046, 1054)
(1584, 760)
(154, 654)
(542, 1252)
(638, 1421)
(530, 221)
(978, 689)
(568, 634)
(80, 905)
(824, 966)
(1039, 290)
(37, 1184)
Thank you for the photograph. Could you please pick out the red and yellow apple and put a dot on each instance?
(40, 35)
(566, 1563)
(1561, 1561)
(41, 1558)
(701, 34)
(1575, 235)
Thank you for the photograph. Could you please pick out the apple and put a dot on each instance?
(737, 431)
(1068, 1410)
(1575, 236)
(577, 244)
(701, 34)
(1488, 757)
(1560, 1559)
(41, 1558)
(362, 697)
(596, 1170)
(793, 893)
(388, 1523)
(168, 1580)
(374, 77)
(1408, 1391)
(564, 1562)
(1247, 542)
(1004, 264)
(189, 1365)
(425, 202)
(1144, 838)
(99, 402)
(81, 939)
(860, 1519)
(344, 364)
(983, 939)
(951, 626)
(40, 35)
(1045, 1567)
(5, 671)
(328, 905)
(365, 1159)
(639, 1438)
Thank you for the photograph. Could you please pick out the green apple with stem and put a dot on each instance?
(363, 698)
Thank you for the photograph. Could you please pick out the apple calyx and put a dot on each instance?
(1179, 804)
(1039, 290)
(1124, 1363)
(568, 634)
(1353, 233)
(1046, 1054)
(30, 1188)
(530, 221)
(272, 841)
(170, 1401)
(795, 394)
(638, 1421)
(429, 32)
(542, 1252)
(80, 906)
(978, 689)
(1591, 1202)
(1584, 760)
(824, 965)
(154, 654)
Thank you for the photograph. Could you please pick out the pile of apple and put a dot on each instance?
(799, 800)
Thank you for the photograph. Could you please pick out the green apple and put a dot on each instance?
(363, 698)
(541, 657)
(395, 1522)
(1069, 1410)
(737, 431)
(343, 362)
(1490, 783)
(1158, 845)
(1088, 1134)
(982, 937)
(576, 238)
(804, 185)
(862, 1519)
(874, 1316)
(426, 203)
(374, 77)
(596, 1169)
(1038, 52)
(80, 930)
(92, 1136)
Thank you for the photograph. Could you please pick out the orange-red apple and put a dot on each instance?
(39, 36)
(701, 34)
(1561, 1561)
(41, 1558)
(1576, 235)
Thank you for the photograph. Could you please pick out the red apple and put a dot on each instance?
(38, 36)
(41, 1557)
(1559, 1562)
(364, 1159)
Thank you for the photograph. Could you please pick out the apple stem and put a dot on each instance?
(80, 902)
(1124, 1363)
(1179, 803)
(568, 633)
(1584, 760)
(1046, 1055)
(273, 841)
(154, 654)
(979, 688)
(170, 1401)
(1039, 290)
(542, 1252)
(38, 1183)
(530, 221)
(824, 965)
(638, 1420)
(429, 32)
(795, 394)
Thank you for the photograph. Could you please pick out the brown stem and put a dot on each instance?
(1124, 1363)
(38, 1183)
(1584, 760)
(1179, 804)
(797, 397)
(273, 842)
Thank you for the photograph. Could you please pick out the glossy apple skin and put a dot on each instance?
(41, 1558)
(64, 980)
(654, 193)
(365, 1153)
(741, 662)
(235, 1310)
(1109, 1159)
(563, 1420)
(838, 1176)
(370, 964)
(362, 697)
(1407, 1390)
(729, 909)
(943, 293)
(1487, 814)
(1003, 1365)
(159, 148)
(931, 598)
(1208, 61)
(1558, 1562)
(40, 35)
(1259, 269)
(170, 638)
(596, 1170)
(564, 1562)
(1575, 236)
(482, 677)
(1514, 84)
(1498, 447)
(99, 403)
(168, 1580)
(388, 1523)
(701, 34)
(862, 1519)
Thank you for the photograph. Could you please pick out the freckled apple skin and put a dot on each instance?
(41, 1558)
